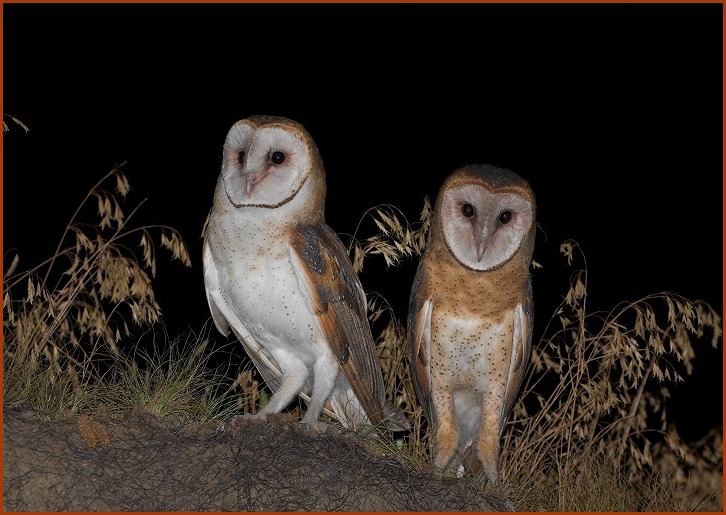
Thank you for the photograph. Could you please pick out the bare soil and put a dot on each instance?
(140, 462)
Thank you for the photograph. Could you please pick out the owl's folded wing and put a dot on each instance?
(419, 342)
(210, 285)
(521, 347)
(323, 269)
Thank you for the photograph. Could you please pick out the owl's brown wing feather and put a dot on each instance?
(521, 347)
(340, 305)
(419, 342)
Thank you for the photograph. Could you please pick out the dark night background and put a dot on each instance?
(613, 112)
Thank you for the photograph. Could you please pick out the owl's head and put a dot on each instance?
(486, 216)
(267, 160)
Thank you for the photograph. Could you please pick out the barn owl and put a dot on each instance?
(281, 280)
(470, 314)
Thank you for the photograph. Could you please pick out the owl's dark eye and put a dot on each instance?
(467, 210)
(241, 157)
(277, 157)
(505, 217)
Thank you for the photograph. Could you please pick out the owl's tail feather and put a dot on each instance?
(345, 407)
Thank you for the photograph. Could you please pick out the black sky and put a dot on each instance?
(613, 112)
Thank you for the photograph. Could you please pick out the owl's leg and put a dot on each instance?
(472, 462)
(325, 372)
(446, 438)
(487, 443)
(294, 375)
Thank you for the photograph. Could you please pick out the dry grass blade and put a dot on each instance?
(6, 127)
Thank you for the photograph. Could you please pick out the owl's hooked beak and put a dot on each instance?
(481, 237)
(253, 179)
(481, 247)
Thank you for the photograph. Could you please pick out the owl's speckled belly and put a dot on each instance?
(267, 299)
(469, 363)
(471, 353)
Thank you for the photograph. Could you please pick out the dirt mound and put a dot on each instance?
(143, 463)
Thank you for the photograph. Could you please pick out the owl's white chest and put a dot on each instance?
(254, 284)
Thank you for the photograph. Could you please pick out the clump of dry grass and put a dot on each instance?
(594, 402)
(61, 316)
(395, 240)
(174, 378)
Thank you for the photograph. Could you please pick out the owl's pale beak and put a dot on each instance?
(253, 179)
(481, 238)
(481, 247)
